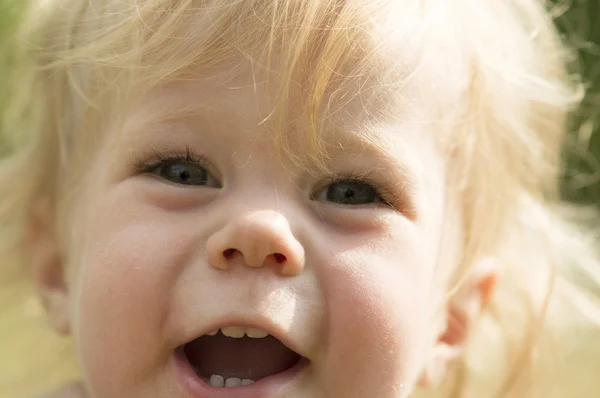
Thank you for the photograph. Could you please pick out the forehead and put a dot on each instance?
(240, 88)
(234, 98)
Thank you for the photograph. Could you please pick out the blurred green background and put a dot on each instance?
(577, 19)
(580, 23)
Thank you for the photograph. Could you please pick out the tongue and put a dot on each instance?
(244, 358)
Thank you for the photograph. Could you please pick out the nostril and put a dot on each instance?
(229, 253)
(280, 258)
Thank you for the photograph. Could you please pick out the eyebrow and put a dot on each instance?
(149, 116)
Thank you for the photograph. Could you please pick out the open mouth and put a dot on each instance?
(237, 356)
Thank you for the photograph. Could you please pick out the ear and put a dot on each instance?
(46, 261)
(463, 312)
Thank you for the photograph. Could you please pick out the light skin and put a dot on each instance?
(361, 292)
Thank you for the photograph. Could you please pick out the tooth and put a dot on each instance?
(247, 382)
(256, 333)
(232, 382)
(217, 381)
(233, 331)
(213, 332)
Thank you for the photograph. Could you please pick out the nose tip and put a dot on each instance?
(259, 238)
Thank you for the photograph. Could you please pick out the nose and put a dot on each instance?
(260, 238)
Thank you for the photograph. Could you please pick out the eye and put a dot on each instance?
(180, 168)
(185, 174)
(350, 192)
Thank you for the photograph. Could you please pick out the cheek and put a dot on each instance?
(125, 287)
(379, 307)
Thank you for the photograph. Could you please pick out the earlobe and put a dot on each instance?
(46, 262)
(462, 313)
(437, 367)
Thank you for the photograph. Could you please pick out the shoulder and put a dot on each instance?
(70, 391)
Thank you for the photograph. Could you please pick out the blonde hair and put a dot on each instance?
(506, 66)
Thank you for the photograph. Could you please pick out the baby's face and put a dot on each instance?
(191, 225)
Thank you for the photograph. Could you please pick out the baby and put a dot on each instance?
(283, 198)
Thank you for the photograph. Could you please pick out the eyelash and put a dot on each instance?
(145, 166)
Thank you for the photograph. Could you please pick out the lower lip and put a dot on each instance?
(196, 387)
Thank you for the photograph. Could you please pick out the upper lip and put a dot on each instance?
(255, 321)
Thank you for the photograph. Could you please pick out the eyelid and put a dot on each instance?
(386, 195)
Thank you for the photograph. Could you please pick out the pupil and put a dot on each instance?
(184, 175)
